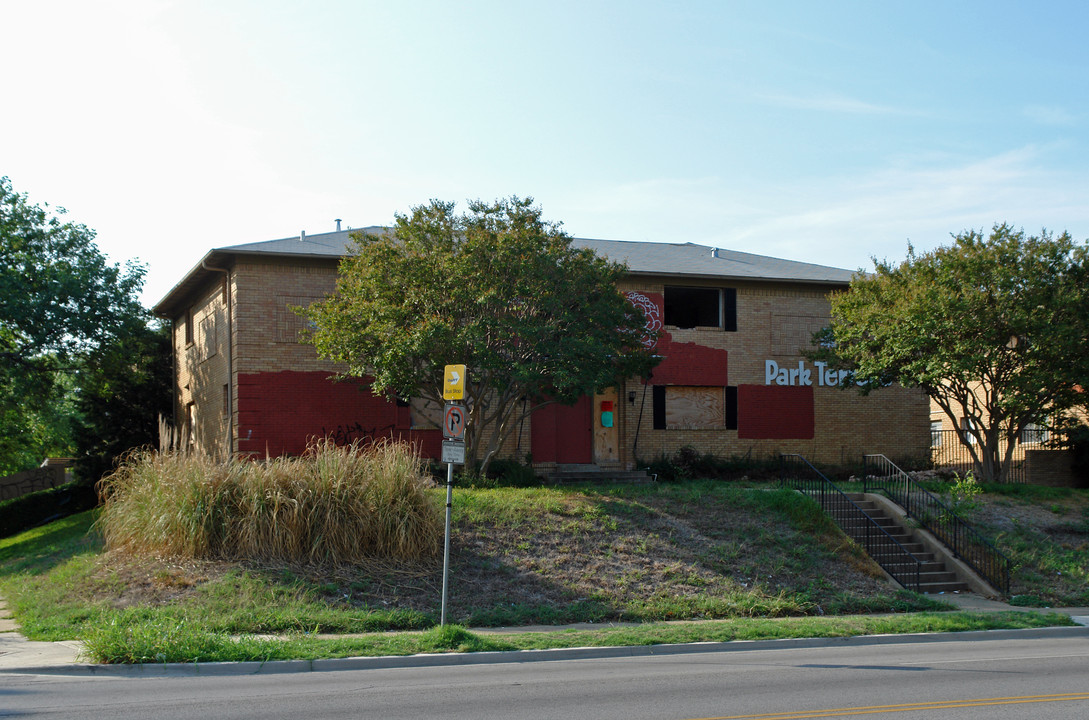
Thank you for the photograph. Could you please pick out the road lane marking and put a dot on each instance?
(933, 705)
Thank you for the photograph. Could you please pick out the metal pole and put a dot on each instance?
(446, 549)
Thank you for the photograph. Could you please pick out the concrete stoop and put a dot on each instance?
(566, 474)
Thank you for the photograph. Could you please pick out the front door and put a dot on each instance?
(563, 434)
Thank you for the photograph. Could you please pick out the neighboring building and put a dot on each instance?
(949, 453)
(732, 380)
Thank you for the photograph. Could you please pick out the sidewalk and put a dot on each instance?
(19, 655)
(17, 652)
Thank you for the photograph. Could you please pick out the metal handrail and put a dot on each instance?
(886, 550)
(966, 543)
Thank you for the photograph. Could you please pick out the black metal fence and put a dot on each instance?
(796, 472)
(966, 543)
(947, 452)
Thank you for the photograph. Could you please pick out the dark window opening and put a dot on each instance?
(689, 307)
(731, 408)
(658, 404)
(189, 326)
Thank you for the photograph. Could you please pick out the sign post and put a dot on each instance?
(454, 419)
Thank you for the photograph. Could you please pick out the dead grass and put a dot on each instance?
(332, 506)
(546, 556)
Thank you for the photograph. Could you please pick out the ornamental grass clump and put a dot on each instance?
(334, 505)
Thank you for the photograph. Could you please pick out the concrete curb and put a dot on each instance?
(523, 656)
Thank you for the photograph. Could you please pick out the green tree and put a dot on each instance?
(59, 300)
(499, 289)
(993, 327)
(123, 389)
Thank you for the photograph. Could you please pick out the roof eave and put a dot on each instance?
(738, 278)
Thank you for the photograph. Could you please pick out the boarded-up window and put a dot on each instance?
(288, 322)
(687, 407)
(793, 334)
(209, 336)
(694, 408)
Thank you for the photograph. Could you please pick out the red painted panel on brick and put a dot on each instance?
(279, 412)
(773, 412)
(563, 433)
(682, 363)
(689, 364)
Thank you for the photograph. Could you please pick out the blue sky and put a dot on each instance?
(826, 132)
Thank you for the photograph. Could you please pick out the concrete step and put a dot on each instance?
(935, 588)
(565, 475)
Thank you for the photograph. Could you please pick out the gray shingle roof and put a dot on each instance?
(653, 258)
(642, 258)
(331, 244)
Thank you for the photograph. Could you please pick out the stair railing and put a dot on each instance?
(799, 474)
(967, 544)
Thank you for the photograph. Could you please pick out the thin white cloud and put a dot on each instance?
(833, 103)
(841, 221)
(1051, 115)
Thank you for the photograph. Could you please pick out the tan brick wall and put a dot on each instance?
(775, 320)
(266, 327)
(201, 369)
(1051, 468)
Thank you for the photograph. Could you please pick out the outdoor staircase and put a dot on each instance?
(910, 539)
(568, 474)
(935, 576)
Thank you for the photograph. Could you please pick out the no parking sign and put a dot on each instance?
(454, 419)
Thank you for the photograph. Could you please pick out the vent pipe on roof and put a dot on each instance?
(302, 236)
(338, 224)
(714, 252)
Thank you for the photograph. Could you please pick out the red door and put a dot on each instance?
(563, 434)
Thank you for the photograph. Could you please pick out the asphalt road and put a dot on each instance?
(1044, 678)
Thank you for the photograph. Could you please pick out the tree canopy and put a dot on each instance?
(123, 388)
(995, 328)
(60, 299)
(499, 289)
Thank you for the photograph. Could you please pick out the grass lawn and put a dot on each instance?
(758, 562)
(1045, 532)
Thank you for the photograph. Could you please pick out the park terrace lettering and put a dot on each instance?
(801, 375)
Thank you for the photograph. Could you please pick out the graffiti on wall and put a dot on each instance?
(651, 312)
(348, 433)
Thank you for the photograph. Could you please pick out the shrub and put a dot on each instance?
(334, 505)
(37, 508)
(687, 463)
(964, 493)
(511, 473)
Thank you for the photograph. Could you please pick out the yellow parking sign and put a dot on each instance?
(453, 382)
